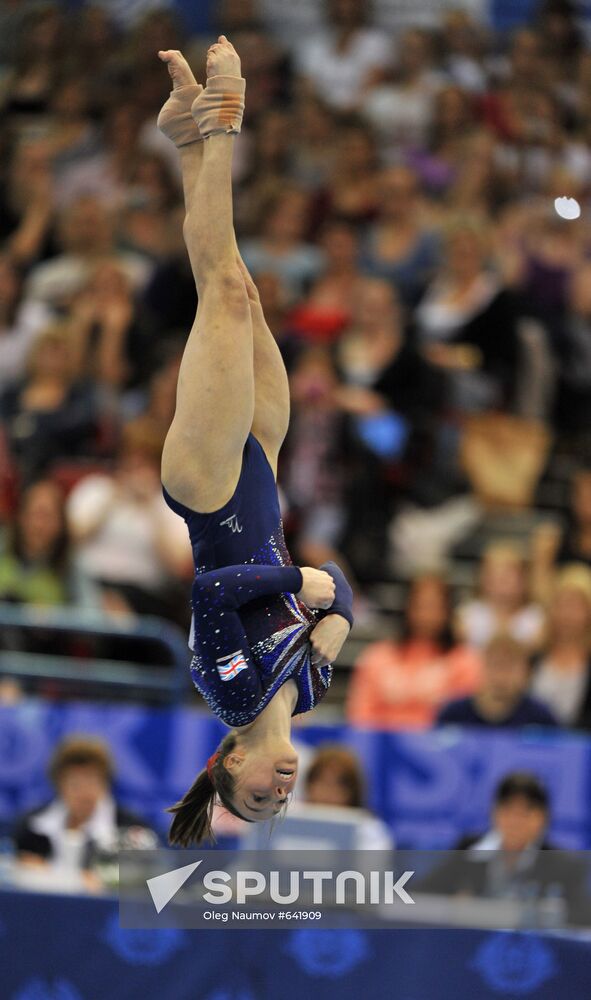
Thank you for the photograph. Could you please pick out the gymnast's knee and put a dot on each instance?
(222, 282)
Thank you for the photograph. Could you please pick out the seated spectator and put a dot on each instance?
(502, 604)
(401, 685)
(394, 397)
(107, 338)
(275, 305)
(441, 160)
(515, 859)
(83, 820)
(459, 318)
(72, 134)
(169, 301)
(313, 461)
(400, 108)
(562, 678)
(282, 248)
(36, 61)
(106, 172)
(334, 778)
(20, 322)
(152, 405)
(27, 206)
(400, 247)
(36, 565)
(266, 171)
(49, 414)
(573, 349)
(127, 538)
(547, 255)
(374, 354)
(341, 61)
(501, 698)
(87, 235)
(351, 192)
(553, 545)
(312, 159)
(331, 301)
(464, 42)
(520, 817)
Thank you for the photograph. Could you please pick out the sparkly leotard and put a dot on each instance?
(249, 632)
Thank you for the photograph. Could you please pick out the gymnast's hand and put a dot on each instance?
(318, 590)
(327, 639)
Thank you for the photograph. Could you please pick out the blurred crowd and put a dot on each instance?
(394, 201)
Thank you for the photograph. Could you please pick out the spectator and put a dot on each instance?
(441, 160)
(395, 401)
(563, 671)
(555, 545)
(83, 819)
(20, 322)
(314, 459)
(109, 173)
(49, 414)
(87, 235)
(520, 817)
(282, 248)
(36, 565)
(107, 338)
(464, 44)
(400, 108)
(459, 319)
(334, 778)
(312, 158)
(503, 604)
(341, 61)
(72, 135)
(401, 685)
(275, 305)
(266, 172)
(329, 306)
(351, 192)
(515, 859)
(37, 61)
(573, 349)
(27, 203)
(501, 700)
(400, 247)
(127, 539)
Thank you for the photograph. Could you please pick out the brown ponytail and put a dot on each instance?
(193, 813)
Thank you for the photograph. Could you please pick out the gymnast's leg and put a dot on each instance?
(215, 396)
(271, 387)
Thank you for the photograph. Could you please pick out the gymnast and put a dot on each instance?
(264, 632)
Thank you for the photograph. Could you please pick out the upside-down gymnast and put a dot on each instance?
(264, 632)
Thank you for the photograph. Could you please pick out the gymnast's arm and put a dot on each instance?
(328, 636)
(229, 587)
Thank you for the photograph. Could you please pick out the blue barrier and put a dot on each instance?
(429, 787)
(168, 682)
(58, 948)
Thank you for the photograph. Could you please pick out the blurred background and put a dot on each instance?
(395, 182)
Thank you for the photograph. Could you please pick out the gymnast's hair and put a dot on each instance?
(193, 813)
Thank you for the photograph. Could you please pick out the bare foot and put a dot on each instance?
(222, 59)
(180, 72)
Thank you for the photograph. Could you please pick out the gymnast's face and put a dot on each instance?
(263, 781)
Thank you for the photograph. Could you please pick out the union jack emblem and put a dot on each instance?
(230, 666)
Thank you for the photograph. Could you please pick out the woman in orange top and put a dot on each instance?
(400, 685)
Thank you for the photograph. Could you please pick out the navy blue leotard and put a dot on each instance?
(249, 631)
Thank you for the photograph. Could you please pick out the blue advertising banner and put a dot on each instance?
(431, 788)
(59, 948)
